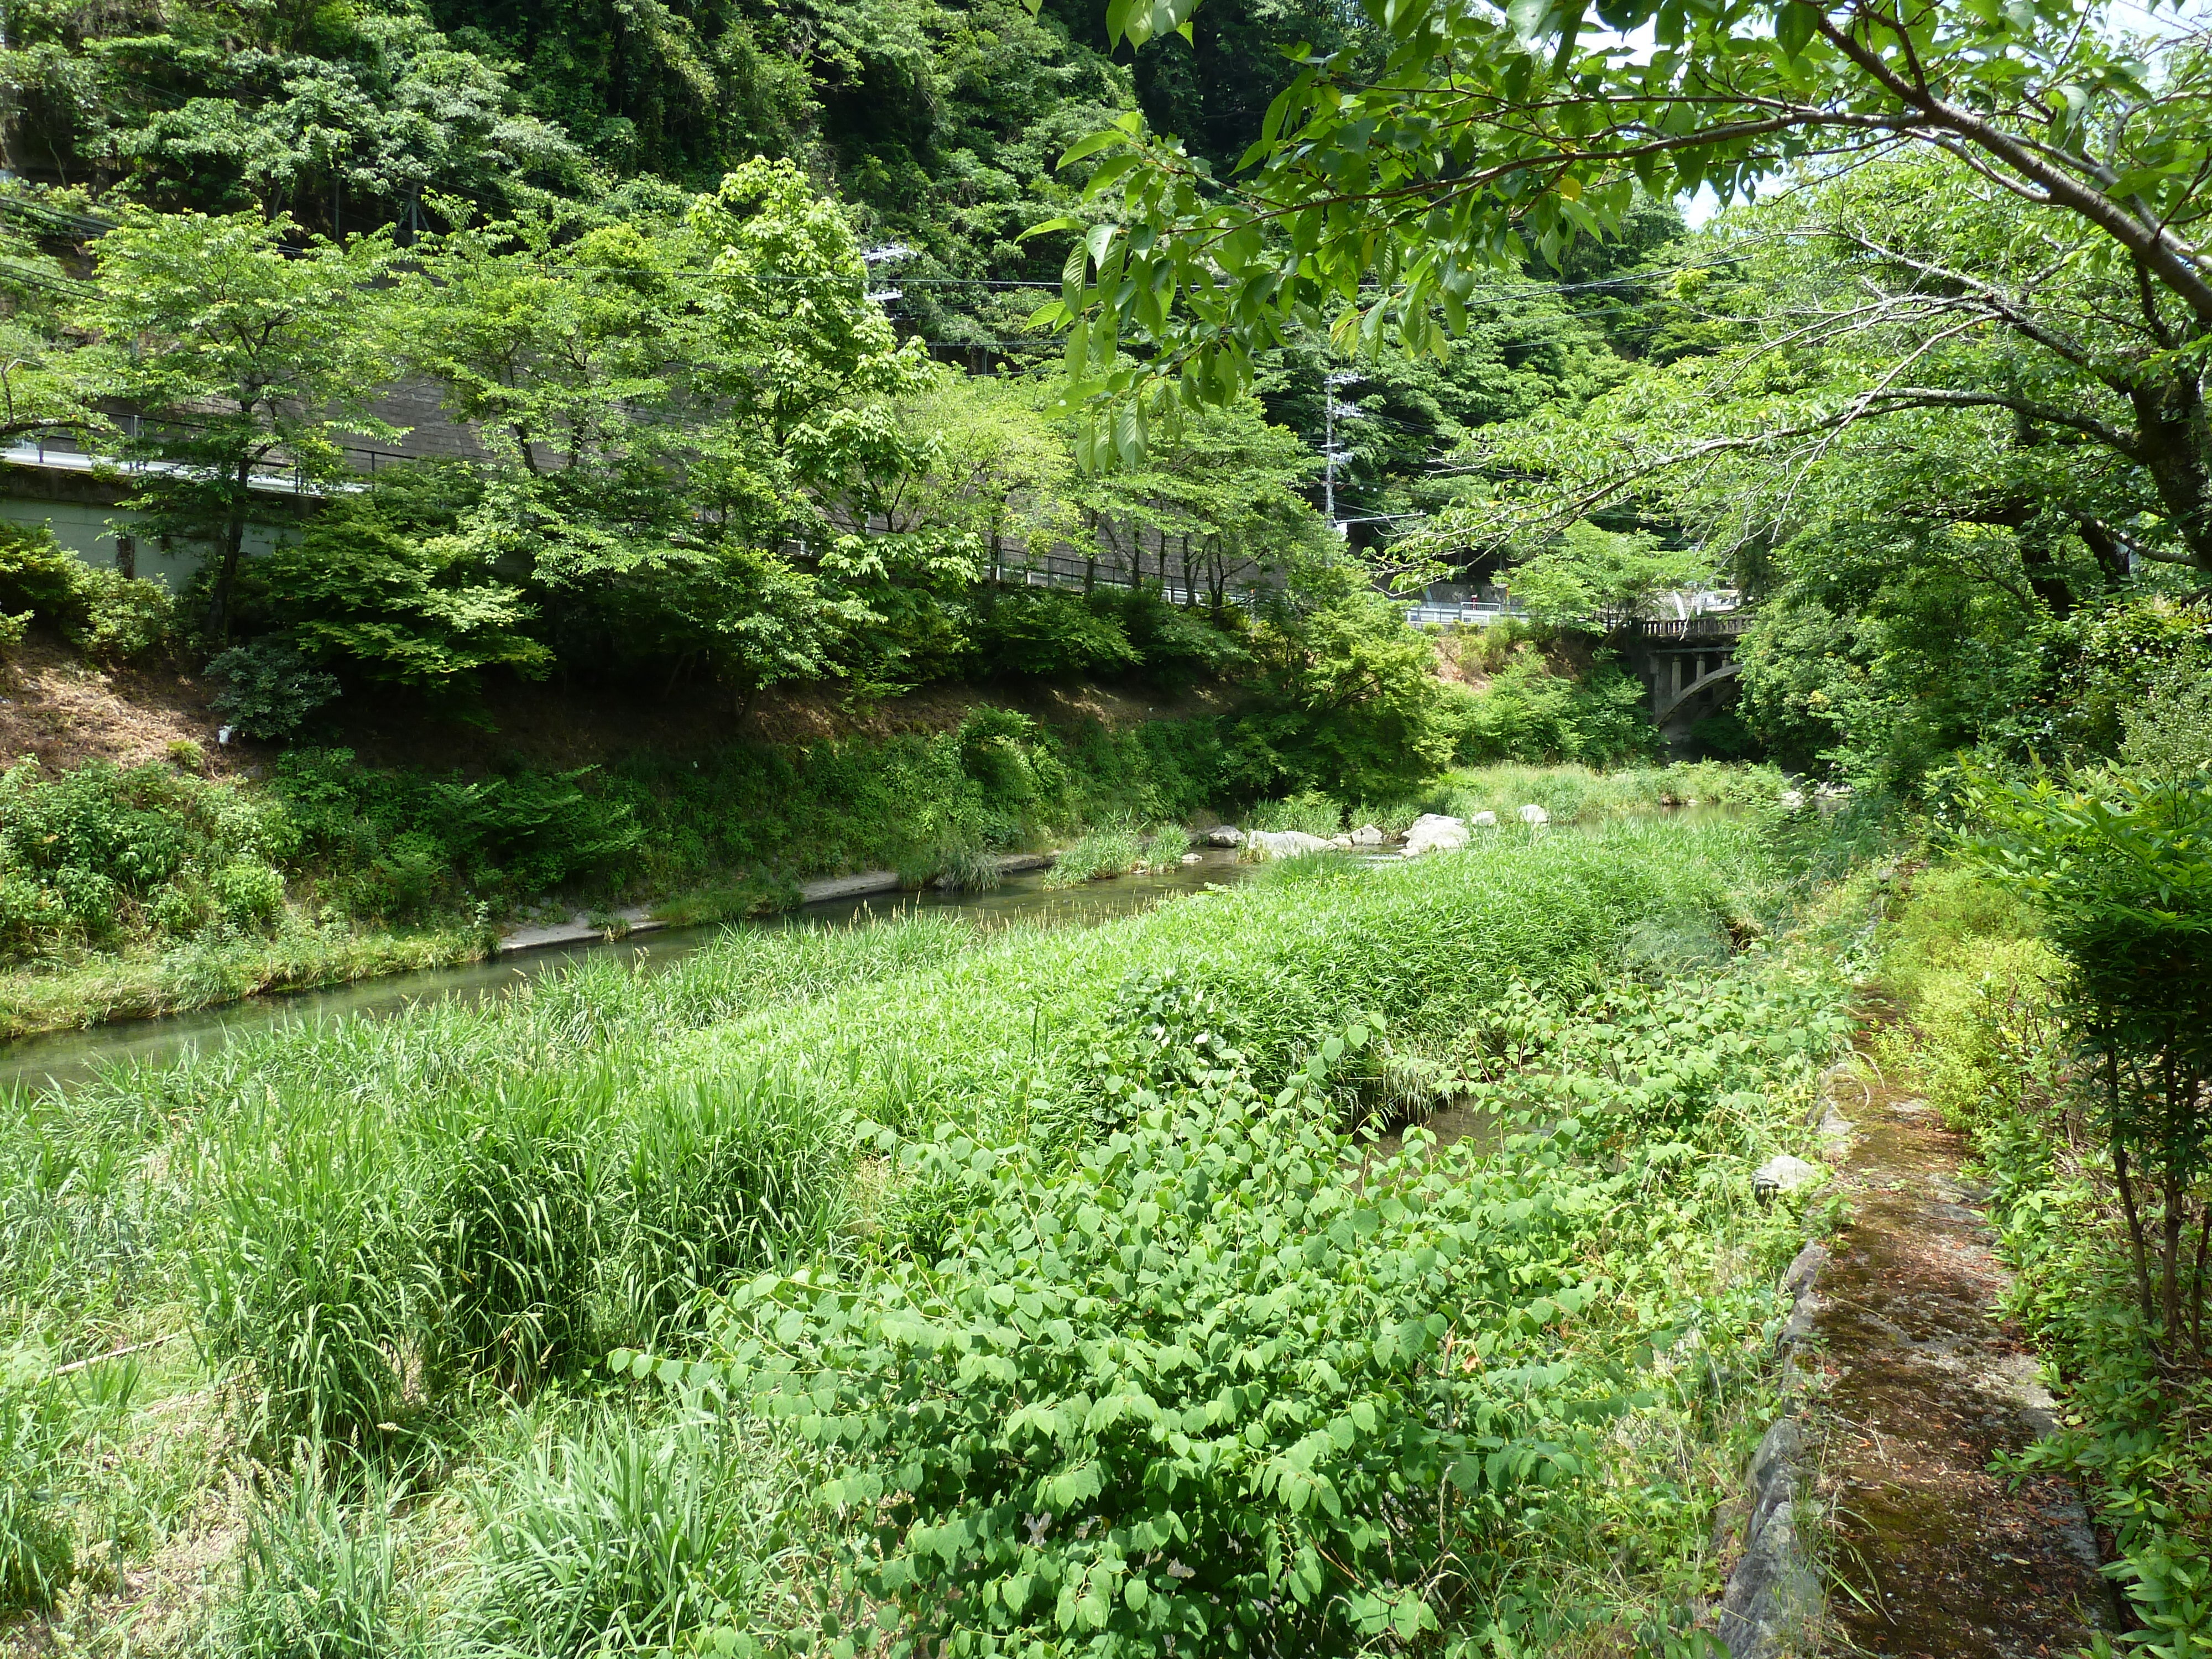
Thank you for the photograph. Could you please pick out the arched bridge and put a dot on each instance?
(1687, 664)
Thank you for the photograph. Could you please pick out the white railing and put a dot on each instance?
(1470, 613)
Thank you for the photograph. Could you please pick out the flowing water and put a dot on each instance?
(66, 1057)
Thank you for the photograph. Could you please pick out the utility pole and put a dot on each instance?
(1330, 410)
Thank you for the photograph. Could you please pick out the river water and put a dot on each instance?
(63, 1058)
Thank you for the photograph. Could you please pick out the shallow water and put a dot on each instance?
(64, 1058)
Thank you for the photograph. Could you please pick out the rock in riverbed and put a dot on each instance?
(1484, 820)
(1535, 816)
(1224, 835)
(1287, 843)
(1432, 832)
(1367, 835)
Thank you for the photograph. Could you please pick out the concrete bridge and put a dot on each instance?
(1688, 665)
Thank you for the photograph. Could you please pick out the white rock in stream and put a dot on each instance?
(1432, 832)
(1535, 816)
(1287, 843)
(1784, 1174)
(1484, 820)
(1367, 835)
(1224, 835)
(1193, 858)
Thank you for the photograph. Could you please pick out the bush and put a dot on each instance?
(1046, 634)
(270, 688)
(101, 854)
(369, 590)
(1532, 714)
(105, 614)
(1178, 1385)
(391, 843)
(250, 894)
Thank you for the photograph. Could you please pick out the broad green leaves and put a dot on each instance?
(1223, 1375)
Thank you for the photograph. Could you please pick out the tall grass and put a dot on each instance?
(316, 1578)
(374, 1228)
(620, 1538)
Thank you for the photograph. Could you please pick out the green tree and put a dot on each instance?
(380, 585)
(1372, 204)
(1593, 575)
(347, 117)
(2120, 868)
(249, 362)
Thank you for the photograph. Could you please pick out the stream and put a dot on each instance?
(60, 1058)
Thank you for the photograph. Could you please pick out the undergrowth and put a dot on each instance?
(401, 1249)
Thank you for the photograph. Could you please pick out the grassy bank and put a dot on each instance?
(399, 1250)
(155, 890)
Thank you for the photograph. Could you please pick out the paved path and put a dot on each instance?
(1932, 1556)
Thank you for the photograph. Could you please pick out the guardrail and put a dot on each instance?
(1717, 625)
(1472, 613)
(280, 477)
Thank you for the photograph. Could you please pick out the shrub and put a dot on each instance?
(2121, 869)
(1178, 1385)
(270, 688)
(2170, 731)
(1044, 633)
(369, 591)
(97, 854)
(250, 894)
(1531, 713)
(102, 611)
(391, 842)
(1174, 645)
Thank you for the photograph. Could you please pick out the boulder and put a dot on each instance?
(1784, 1174)
(1342, 843)
(1367, 835)
(1791, 800)
(1535, 816)
(1285, 843)
(1193, 858)
(1224, 835)
(1484, 820)
(1432, 832)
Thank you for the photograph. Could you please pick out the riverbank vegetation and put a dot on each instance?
(2050, 980)
(399, 1252)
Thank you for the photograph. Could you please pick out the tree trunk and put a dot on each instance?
(2174, 445)
(228, 556)
(2112, 563)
